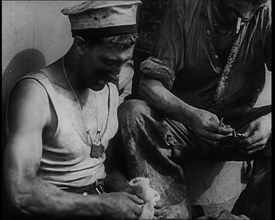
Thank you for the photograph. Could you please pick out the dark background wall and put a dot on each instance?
(149, 15)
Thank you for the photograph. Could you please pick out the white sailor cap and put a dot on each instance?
(104, 17)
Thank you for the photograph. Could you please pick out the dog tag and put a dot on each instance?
(97, 150)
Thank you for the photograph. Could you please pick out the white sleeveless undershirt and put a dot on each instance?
(66, 160)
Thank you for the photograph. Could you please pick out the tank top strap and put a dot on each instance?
(42, 78)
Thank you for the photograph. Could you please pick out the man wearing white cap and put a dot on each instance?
(61, 118)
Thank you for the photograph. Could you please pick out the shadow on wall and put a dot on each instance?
(21, 64)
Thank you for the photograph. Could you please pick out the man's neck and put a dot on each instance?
(71, 75)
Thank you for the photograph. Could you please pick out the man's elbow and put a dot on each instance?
(141, 90)
(145, 88)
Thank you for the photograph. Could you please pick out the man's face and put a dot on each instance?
(239, 8)
(102, 64)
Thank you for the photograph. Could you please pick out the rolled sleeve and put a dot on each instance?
(156, 69)
(168, 51)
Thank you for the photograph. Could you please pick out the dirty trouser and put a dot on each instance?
(255, 199)
(154, 145)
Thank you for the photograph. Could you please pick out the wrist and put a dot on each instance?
(103, 203)
(89, 205)
(188, 114)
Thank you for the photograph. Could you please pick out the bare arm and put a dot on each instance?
(29, 116)
(163, 100)
(203, 123)
(159, 72)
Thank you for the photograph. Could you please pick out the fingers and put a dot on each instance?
(138, 210)
(253, 148)
(158, 212)
(253, 143)
(217, 137)
(214, 118)
(218, 128)
(135, 199)
(212, 137)
(135, 210)
(227, 130)
(251, 139)
(159, 204)
(216, 132)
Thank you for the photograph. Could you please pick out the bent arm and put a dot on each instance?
(28, 116)
(159, 70)
(203, 123)
(161, 99)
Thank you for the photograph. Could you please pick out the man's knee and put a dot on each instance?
(132, 110)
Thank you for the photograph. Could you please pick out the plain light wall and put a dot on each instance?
(35, 24)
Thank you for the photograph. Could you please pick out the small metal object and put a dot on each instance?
(221, 124)
(99, 186)
(238, 25)
(97, 190)
(240, 136)
(234, 134)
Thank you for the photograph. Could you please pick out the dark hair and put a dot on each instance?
(123, 41)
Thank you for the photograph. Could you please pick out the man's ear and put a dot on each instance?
(81, 45)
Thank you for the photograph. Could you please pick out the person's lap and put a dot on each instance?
(146, 134)
(181, 141)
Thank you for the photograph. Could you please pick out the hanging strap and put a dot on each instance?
(219, 94)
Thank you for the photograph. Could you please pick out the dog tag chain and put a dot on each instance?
(97, 149)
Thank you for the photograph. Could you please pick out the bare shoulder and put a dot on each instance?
(28, 88)
(28, 103)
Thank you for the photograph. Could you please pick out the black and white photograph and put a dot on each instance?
(136, 109)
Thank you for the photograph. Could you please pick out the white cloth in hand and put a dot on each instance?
(150, 196)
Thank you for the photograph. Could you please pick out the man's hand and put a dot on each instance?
(159, 209)
(122, 205)
(256, 134)
(206, 126)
